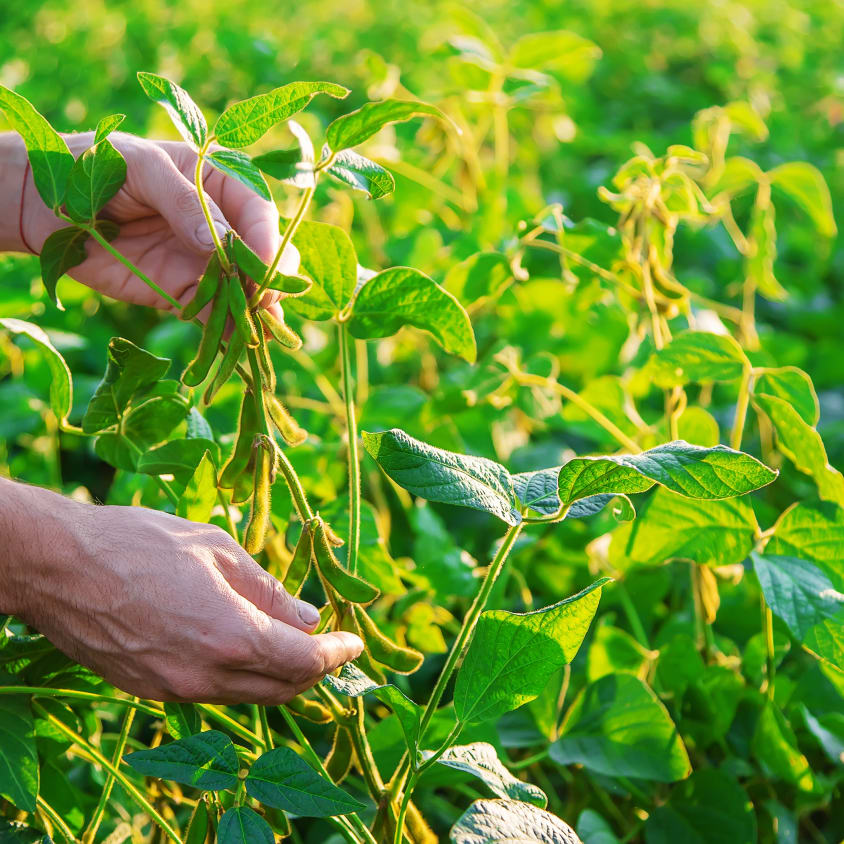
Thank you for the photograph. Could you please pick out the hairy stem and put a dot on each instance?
(206, 211)
(353, 456)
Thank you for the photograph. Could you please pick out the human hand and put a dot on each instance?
(162, 228)
(166, 609)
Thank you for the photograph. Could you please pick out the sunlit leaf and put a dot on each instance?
(358, 126)
(697, 356)
(239, 166)
(183, 111)
(805, 185)
(489, 821)
(200, 494)
(96, 177)
(360, 173)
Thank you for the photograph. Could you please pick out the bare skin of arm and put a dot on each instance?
(161, 607)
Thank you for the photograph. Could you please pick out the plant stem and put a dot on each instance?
(129, 265)
(206, 211)
(130, 789)
(237, 728)
(741, 408)
(632, 614)
(91, 697)
(353, 456)
(265, 728)
(771, 664)
(304, 202)
(55, 819)
(90, 833)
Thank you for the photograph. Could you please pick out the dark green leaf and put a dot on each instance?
(798, 592)
(361, 174)
(62, 250)
(245, 122)
(18, 753)
(619, 728)
(403, 296)
(177, 457)
(183, 111)
(483, 274)
(510, 821)
(107, 125)
(438, 475)
(129, 370)
(182, 720)
(775, 747)
(97, 176)
(538, 491)
(151, 420)
(709, 473)
(242, 825)
(481, 760)
(593, 829)
(512, 655)
(358, 126)
(283, 780)
(61, 384)
(207, 760)
(49, 156)
(240, 166)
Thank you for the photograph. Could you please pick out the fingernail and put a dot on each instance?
(307, 612)
(203, 235)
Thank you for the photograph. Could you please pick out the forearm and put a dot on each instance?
(38, 531)
(13, 170)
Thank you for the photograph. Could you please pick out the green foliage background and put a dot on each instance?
(660, 63)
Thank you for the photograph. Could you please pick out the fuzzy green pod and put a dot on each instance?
(284, 422)
(212, 335)
(338, 763)
(383, 649)
(247, 427)
(232, 356)
(259, 518)
(281, 331)
(240, 312)
(346, 584)
(205, 290)
(310, 710)
(199, 825)
(266, 364)
(300, 563)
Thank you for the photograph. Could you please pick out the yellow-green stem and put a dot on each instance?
(353, 456)
(206, 211)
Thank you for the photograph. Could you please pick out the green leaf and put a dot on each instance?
(811, 531)
(327, 256)
(107, 125)
(481, 760)
(482, 274)
(18, 753)
(775, 747)
(404, 296)
(798, 592)
(96, 177)
(49, 156)
(438, 475)
(360, 125)
(737, 175)
(803, 446)
(360, 173)
(200, 494)
(293, 166)
(130, 370)
(805, 185)
(510, 822)
(240, 166)
(182, 720)
(568, 51)
(151, 420)
(117, 451)
(759, 264)
(793, 386)
(247, 121)
(709, 473)
(207, 760)
(281, 779)
(619, 728)
(699, 357)
(593, 829)
(710, 807)
(177, 457)
(242, 825)
(717, 533)
(351, 681)
(538, 491)
(614, 651)
(183, 111)
(61, 383)
(512, 655)
(62, 250)
(826, 640)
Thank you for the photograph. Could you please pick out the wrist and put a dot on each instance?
(41, 540)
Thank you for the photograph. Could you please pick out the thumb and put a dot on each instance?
(262, 590)
(166, 189)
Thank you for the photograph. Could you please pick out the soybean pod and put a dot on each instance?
(246, 429)
(300, 563)
(284, 422)
(346, 584)
(310, 710)
(212, 335)
(266, 364)
(383, 649)
(240, 310)
(205, 290)
(280, 330)
(227, 366)
(338, 763)
(259, 518)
